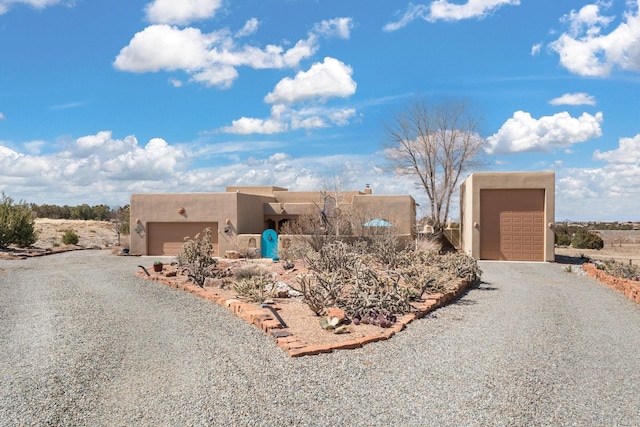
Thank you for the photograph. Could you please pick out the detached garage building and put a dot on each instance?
(508, 216)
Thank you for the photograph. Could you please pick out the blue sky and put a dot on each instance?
(100, 99)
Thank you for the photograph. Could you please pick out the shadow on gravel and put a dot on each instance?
(571, 260)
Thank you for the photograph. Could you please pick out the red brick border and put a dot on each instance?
(630, 288)
(264, 320)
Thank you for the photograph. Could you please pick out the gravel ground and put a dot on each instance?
(85, 342)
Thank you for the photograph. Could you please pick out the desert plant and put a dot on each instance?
(333, 256)
(371, 290)
(70, 237)
(257, 288)
(321, 290)
(17, 227)
(196, 257)
(562, 239)
(587, 240)
(250, 270)
(619, 269)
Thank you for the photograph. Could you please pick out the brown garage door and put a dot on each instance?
(166, 238)
(512, 224)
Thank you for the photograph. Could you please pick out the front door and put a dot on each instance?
(269, 244)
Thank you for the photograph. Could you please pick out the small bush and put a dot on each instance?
(562, 239)
(17, 227)
(70, 237)
(250, 270)
(258, 288)
(587, 240)
(196, 258)
(620, 269)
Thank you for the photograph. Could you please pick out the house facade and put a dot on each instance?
(240, 216)
(508, 216)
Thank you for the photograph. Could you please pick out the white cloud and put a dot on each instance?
(578, 98)
(5, 5)
(163, 47)
(582, 191)
(338, 27)
(247, 125)
(2, 116)
(181, 12)
(446, 11)
(322, 81)
(628, 152)
(214, 58)
(250, 27)
(585, 50)
(523, 133)
(331, 78)
(535, 49)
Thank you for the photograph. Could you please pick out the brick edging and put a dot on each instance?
(630, 288)
(294, 346)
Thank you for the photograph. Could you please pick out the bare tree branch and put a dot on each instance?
(435, 144)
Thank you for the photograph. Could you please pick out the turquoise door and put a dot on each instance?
(270, 244)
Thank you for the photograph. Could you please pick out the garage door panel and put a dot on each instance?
(167, 238)
(512, 224)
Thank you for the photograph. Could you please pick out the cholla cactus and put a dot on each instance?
(196, 258)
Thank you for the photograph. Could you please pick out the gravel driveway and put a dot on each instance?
(85, 342)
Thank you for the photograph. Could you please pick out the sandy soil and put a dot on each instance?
(92, 234)
(618, 245)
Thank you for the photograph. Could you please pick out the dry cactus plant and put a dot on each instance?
(196, 260)
(258, 288)
(321, 290)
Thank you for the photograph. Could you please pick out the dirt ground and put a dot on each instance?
(619, 245)
(92, 234)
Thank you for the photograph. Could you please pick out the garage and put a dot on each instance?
(512, 224)
(166, 238)
(508, 216)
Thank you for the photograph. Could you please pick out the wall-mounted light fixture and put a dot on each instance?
(181, 210)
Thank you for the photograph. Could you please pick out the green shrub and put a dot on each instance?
(587, 240)
(562, 239)
(70, 237)
(16, 224)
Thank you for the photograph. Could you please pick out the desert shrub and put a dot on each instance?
(620, 269)
(587, 240)
(371, 290)
(70, 237)
(321, 290)
(257, 288)
(387, 249)
(331, 257)
(562, 239)
(196, 257)
(250, 270)
(461, 265)
(16, 224)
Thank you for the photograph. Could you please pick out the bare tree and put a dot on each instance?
(435, 144)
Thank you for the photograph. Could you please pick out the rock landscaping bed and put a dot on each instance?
(294, 326)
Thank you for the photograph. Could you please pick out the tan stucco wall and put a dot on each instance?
(470, 204)
(198, 207)
(399, 210)
(243, 210)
